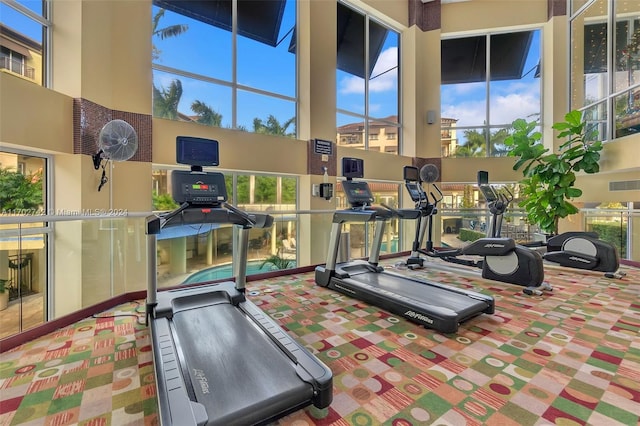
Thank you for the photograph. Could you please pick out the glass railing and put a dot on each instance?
(464, 225)
(51, 266)
(616, 226)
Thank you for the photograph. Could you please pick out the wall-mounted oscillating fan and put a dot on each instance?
(117, 141)
(429, 173)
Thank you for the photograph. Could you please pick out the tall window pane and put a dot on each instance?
(266, 114)
(367, 82)
(188, 44)
(463, 92)
(605, 66)
(589, 55)
(350, 75)
(188, 99)
(266, 40)
(23, 247)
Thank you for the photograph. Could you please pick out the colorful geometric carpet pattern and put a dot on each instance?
(568, 357)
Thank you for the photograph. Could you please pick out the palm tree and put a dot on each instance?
(476, 145)
(273, 126)
(498, 147)
(206, 115)
(166, 32)
(165, 101)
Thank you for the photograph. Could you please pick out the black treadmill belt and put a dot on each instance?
(237, 372)
(422, 293)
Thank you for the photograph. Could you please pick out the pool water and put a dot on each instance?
(226, 271)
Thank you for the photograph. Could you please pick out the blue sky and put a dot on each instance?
(11, 18)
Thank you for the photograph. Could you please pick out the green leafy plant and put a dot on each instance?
(549, 178)
(18, 191)
(278, 262)
(3, 285)
(163, 202)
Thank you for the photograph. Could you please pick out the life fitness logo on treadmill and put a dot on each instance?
(202, 379)
(413, 314)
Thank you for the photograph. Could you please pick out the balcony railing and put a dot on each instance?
(17, 66)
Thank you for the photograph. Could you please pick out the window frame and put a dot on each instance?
(453, 128)
(233, 84)
(47, 228)
(366, 118)
(47, 24)
(601, 112)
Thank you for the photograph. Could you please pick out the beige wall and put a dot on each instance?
(103, 52)
(238, 150)
(479, 15)
(32, 117)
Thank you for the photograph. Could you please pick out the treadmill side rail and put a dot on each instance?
(309, 368)
(174, 405)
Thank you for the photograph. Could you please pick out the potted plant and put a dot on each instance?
(549, 178)
(4, 294)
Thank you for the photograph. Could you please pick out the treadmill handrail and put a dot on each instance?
(354, 215)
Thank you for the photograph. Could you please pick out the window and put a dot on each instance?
(488, 81)
(24, 246)
(24, 32)
(367, 81)
(226, 63)
(605, 76)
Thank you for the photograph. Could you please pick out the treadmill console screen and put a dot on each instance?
(352, 167)
(358, 193)
(198, 187)
(197, 151)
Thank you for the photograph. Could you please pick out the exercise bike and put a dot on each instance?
(502, 259)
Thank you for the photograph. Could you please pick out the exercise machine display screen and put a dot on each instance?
(358, 193)
(352, 167)
(197, 151)
(198, 188)
(414, 191)
(411, 174)
(487, 189)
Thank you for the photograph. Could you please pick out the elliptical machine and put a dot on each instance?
(583, 250)
(502, 260)
(575, 249)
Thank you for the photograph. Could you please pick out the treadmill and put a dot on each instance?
(220, 360)
(428, 303)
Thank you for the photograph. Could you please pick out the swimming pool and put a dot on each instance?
(226, 271)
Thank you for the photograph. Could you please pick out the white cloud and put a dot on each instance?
(388, 60)
(351, 85)
(508, 102)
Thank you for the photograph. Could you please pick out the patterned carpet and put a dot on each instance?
(568, 357)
